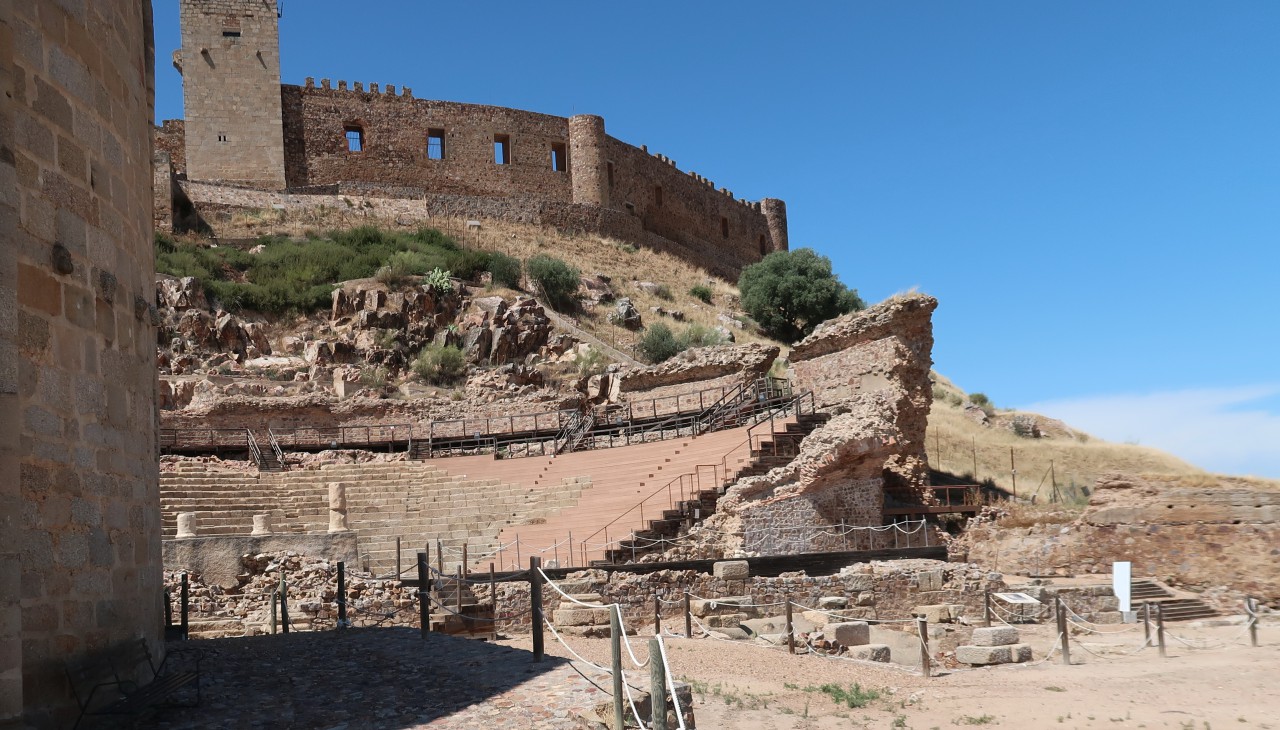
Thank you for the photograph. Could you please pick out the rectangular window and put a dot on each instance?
(657, 196)
(355, 139)
(502, 149)
(724, 227)
(559, 163)
(230, 34)
(435, 144)
(222, 138)
(764, 247)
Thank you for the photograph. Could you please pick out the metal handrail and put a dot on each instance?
(253, 448)
(275, 446)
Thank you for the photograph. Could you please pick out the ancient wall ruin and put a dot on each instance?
(869, 371)
(1195, 532)
(79, 517)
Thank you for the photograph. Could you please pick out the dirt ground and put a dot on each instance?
(1211, 678)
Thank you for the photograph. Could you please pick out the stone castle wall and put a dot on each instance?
(79, 508)
(244, 128)
(230, 65)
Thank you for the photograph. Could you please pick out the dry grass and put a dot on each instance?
(1072, 459)
(623, 263)
(1018, 514)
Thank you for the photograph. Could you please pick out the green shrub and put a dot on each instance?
(662, 291)
(789, 293)
(440, 364)
(391, 274)
(701, 291)
(592, 363)
(699, 336)
(658, 343)
(980, 399)
(505, 270)
(555, 280)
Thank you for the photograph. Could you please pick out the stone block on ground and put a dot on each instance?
(850, 633)
(870, 652)
(937, 613)
(732, 570)
(985, 655)
(730, 633)
(726, 620)
(580, 617)
(995, 636)
(833, 603)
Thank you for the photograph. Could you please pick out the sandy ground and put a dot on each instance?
(1221, 683)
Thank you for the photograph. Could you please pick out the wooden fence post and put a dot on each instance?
(657, 616)
(535, 601)
(1062, 630)
(342, 595)
(186, 608)
(1146, 622)
(1251, 606)
(657, 686)
(688, 618)
(922, 627)
(791, 629)
(284, 603)
(1160, 628)
(986, 608)
(424, 595)
(615, 665)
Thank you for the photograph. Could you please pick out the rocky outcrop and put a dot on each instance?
(701, 364)
(495, 333)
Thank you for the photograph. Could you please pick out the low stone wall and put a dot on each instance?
(218, 559)
(1195, 537)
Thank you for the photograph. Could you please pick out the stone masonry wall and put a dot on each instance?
(230, 65)
(79, 509)
(869, 371)
(1198, 536)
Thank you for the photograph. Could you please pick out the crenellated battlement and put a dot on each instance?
(371, 136)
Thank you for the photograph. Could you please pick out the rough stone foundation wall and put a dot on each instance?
(1194, 537)
(79, 516)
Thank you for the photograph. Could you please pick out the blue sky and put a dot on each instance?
(1091, 189)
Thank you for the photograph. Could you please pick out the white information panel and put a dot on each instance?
(1121, 582)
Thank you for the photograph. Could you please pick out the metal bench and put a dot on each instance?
(107, 684)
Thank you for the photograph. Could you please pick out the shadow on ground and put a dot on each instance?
(377, 678)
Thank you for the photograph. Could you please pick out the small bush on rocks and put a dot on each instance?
(555, 280)
(440, 364)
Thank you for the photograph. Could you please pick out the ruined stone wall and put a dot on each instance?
(230, 65)
(868, 371)
(1200, 537)
(886, 349)
(683, 377)
(79, 509)
(170, 138)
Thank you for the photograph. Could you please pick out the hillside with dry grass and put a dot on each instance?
(1025, 453)
(975, 441)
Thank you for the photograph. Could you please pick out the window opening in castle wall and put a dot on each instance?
(502, 149)
(355, 138)
(435, 144)
(559, 163)
(657, 196)
(724, 227)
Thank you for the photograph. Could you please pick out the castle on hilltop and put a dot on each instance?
(249, 141)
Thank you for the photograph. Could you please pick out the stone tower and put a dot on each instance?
(587, 164)
(80, 567)
(230, 66)
(775, 214)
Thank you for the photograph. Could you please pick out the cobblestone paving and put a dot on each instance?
(378, 678)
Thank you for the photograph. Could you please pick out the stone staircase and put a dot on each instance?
(1174, 607)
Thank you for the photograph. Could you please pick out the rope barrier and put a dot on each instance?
(671, 682)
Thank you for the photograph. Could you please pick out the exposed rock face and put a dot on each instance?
(703, 364)
(179, 294)
(1200, 532)
(626, 315)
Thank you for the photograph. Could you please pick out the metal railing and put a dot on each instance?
(202, 438)
(253, 447)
